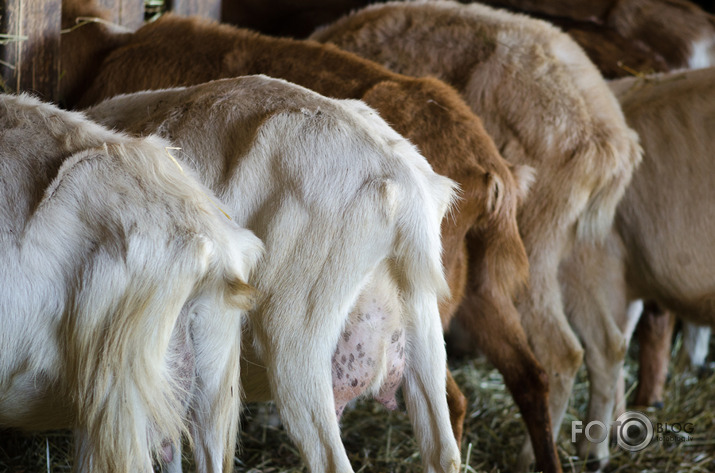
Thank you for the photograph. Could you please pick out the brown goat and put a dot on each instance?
(623, 37)
(182, 51)
(92, 42)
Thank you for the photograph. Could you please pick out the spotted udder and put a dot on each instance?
(370, 356)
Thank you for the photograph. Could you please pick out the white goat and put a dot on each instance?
(121, 292)
(350, 214)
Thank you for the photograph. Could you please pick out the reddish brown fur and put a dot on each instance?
(614, 55)
(181, 51)
(654, 331)
(457, 406)
(91, 42)
(494, 326)
(644, 35)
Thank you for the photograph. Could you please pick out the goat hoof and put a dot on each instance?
(593, 463)
(705, 371)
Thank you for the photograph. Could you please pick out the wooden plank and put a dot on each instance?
(129, 13)
(205, 8)
(33, 63)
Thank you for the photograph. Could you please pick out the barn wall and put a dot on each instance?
(30, 38)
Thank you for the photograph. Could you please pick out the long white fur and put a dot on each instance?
(696, 344)
(106, 247)
(334, 193)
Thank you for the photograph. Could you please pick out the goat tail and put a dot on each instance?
(128, 400)
(614, 174)
(126, 302)
(420, 246)
(120, 324)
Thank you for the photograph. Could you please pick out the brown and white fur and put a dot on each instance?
(545, 105)
(426, 111)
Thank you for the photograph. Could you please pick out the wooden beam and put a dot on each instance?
(129, 13)
(205, 8)
(31, 53)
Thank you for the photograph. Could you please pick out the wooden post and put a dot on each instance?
(205, 8)
(31, 53)
(129, 13)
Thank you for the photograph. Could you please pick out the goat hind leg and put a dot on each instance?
(425, 386)
(553, 342)
(457, 404)
(654, 332)
(503, 341)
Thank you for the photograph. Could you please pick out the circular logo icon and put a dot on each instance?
(634, 431)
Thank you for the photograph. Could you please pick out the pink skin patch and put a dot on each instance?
(167, 452)
(365, 347)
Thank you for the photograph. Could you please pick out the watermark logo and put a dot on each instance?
(634, 431)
